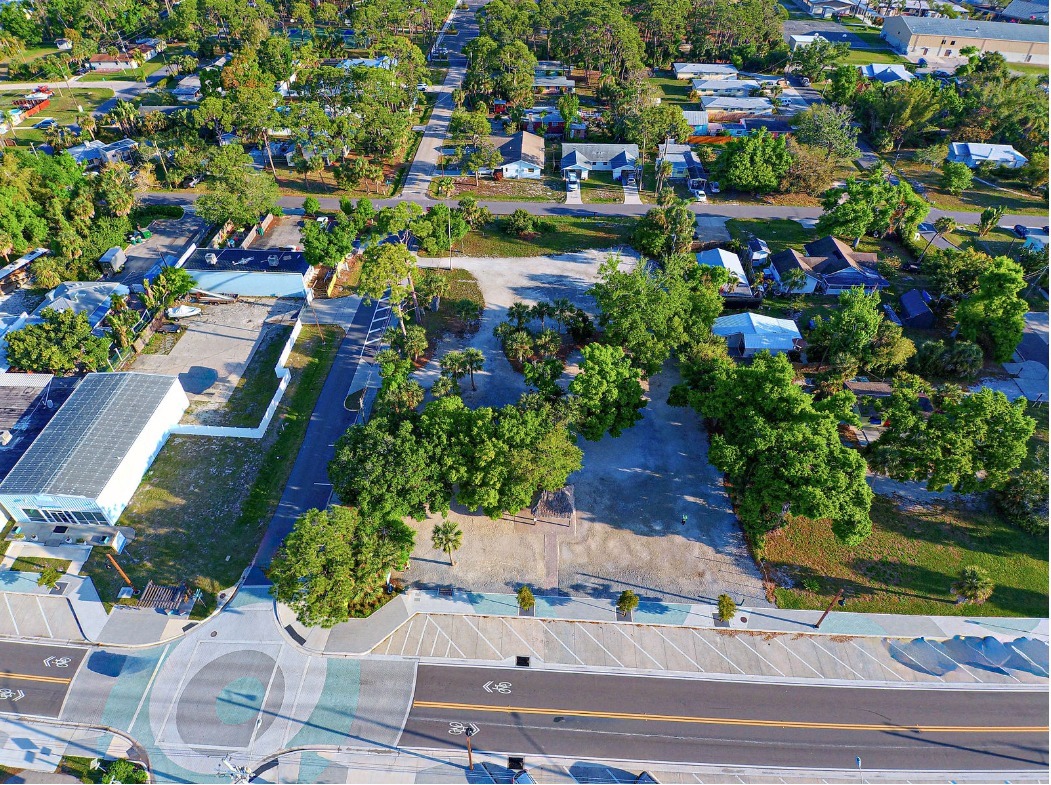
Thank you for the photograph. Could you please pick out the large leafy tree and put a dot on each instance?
(970, 443)
(830, 128)
(995, 314)
(61, 344)
(756, 163)
(606, 392)
(388, 266)
(665, 230)
(872, 205)
(856, 335)
(815, 58)
(780, 448)
(334, 563)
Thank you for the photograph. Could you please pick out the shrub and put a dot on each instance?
(627, 602)
(519, 223)
(974, 585)
(956, 177)
(1024, 501)
(811, 585)
(727, 607)
(957, 360)
(125, 771)
(311, 206)
(526, 600)
(145, 213)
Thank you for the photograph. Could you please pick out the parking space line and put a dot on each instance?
(547, 628)
(710, 646)
(11, 613)
(633, 643)
(813, 639)
(499, 654)
(515, 632)
(891, 671)
(948, 656)
(815, 670)
(684, 654)
(423, 632)
(445, 635)
(583, 629)
(922, 669)
(408, 631)
(1028, 659)
(757, 654)
(1001, 668)
(43, 616)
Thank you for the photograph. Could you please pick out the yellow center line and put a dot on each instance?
(619, 715)
(29, 677)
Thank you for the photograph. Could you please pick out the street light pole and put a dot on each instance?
(470, 758)
(837, 598)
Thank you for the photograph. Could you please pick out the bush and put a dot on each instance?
(956, 360)
(142, 215)
(627, 602)
(727, 607)
(974, 585)
(311, 206)
(519, 223)
(1024, 501)
(125, 771)
(956, 177)
(526, 600)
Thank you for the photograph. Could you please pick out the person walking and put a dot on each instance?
(684, 519)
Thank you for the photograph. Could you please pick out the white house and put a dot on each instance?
(748, 333)
(523, 157)
(91, 298)
(704, 71)
(85, 465)
(736, 88)
(718, 105)
(266, 272)
(581, 158)
(95, 153)
(112, 62)
(887, 73)
(974, 153)
(738, 285)
(802, 39)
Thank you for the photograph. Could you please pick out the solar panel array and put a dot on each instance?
(80, 449)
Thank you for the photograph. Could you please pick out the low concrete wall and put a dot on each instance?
(282, 372)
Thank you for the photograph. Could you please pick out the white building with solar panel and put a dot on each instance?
(85, 465)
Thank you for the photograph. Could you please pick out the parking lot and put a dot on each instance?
(283, 232)
(216, 347)
(832, 31)
(170, 237)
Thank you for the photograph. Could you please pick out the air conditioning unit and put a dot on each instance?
(5, 438)
(272, 260)
(211, 258)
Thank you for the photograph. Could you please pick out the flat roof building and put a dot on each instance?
(929, 37)
(266, 272)
(86, 463)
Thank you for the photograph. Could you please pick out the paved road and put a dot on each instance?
(733, 723)
(34, 679)
(308, 486)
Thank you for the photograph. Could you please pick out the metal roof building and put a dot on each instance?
(264, 272)
(86, 463)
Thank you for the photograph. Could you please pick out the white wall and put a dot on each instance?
(520, 170)
(121, 486)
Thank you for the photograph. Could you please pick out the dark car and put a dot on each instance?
(1021, 231)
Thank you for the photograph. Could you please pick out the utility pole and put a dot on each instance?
(469, 732)
(838, 598)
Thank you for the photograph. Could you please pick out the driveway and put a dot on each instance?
(631, 194)
(171, 237)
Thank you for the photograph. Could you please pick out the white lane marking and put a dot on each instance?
(755, 651)
(499, 654)
(952, 659)
(583, 629)
(633, 643)
(813, 639)
(710, 646)
(869, 654)
(684, 654)
(11, 613)
(515, 633)
(43, 616)
(149, 686)
(815, 670)
(546, 628)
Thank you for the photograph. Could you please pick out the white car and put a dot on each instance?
(422, 87)
(700, 196)
(572, 185)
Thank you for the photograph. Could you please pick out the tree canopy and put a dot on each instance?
(61, 344)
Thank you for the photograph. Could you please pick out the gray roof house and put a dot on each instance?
(581, 158)
(975, 153)
(523, 157)
(829, 267)
(1026, 11)
(704, 71)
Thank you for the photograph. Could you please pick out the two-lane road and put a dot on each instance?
(34, 679)
(640, 718)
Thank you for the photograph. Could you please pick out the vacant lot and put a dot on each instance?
(600, 188)
(548, 189)
(63, 110)
(910, 562)
(202, 508)
(1011, 195)
(557, 235)
(139, 74)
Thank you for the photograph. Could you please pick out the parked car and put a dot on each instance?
(631, 181)
(700, 196)
(572, 184)
(46, 123)
(422, 87)
(194, 181)
(713, 187)
(1021, 231)
(805, 81)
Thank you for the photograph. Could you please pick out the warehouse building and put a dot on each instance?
(929, 37)
(84, 466)
(266, 272)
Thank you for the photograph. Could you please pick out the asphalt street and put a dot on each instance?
(637, 718)
(35, 679)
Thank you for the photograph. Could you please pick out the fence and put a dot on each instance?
(282, 372)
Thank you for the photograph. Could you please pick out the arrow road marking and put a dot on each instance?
(58, 662)
(11, 695)
(503, 687)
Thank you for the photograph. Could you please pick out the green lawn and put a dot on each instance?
(39, 564)
(547, 189)
(258, 383)
(974, 199)
(31, 53)
(673, 91)
(1028, 69)
(462, 286)
(203, 506)
(63, 109)
(559, 235)
(600, 188)
(139, 74)
(910, 562)
(779, 233)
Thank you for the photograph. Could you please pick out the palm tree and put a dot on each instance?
(520, 313)
(519, 345)
(564, 311)
(942, 226)
(453, 365)
(547, 343)
(473, 360)
(542, 310)
(447, 538)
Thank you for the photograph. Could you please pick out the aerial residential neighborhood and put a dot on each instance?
(469, 391)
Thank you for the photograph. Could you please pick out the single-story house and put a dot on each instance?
(94, 153)
(552, 68)
(384, 62)
(698, 120)
(975, 153)
(775, 126)
(887, 73)
(1026, 11)
(88, 297)
(931, 37)
(737, 88)
(826, 9)
(758, 251)
(748, 333)
(738, 285)
(523, 157)
(802, 39)
(112, 62)
(15, 273)
(84, 466)
(718, 105)
(188, 90)
(266, 272)
(580, 158)
(829, 267)
(684, 161)
(704, 71)
(553, 85)
(914, 309)
(1035, 240)
(547, 120)
(63, 44)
